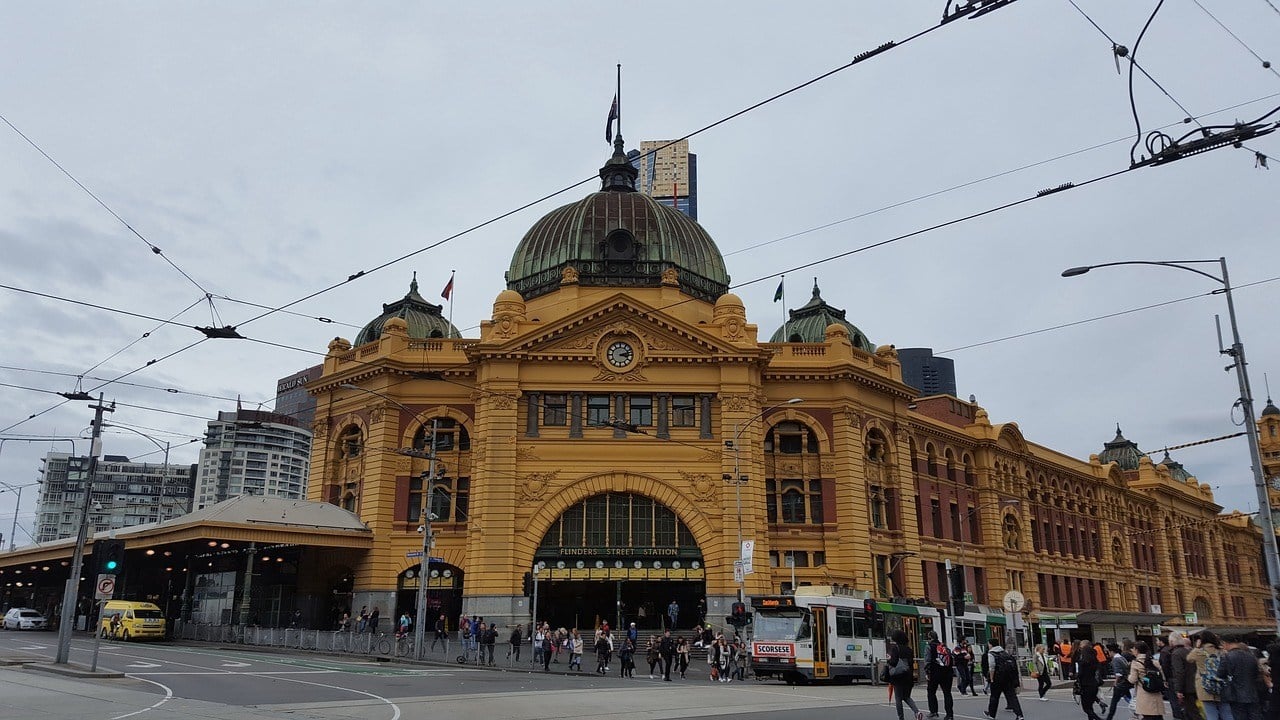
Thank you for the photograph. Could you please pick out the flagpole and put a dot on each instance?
(451, 275)
(786, 331)
(619, 96)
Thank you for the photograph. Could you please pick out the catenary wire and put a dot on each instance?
(862, 57)
(150, 245)
(172, 391)
(141, 337)
(1235, 37)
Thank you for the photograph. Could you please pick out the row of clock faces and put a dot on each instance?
(638, 564)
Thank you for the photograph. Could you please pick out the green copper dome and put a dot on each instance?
(1122, 452)
(1271, 408)
(423, 318)
(809, 324)
(617, 238)
(1176, 470)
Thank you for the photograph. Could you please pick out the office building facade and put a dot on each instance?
(668, 174)
(927, 373)
(252, 452)
(125, 494)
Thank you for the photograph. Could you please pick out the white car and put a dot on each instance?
(24, 619)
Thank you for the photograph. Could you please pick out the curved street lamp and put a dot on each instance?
(420, 608)
(738, 479)
(1236, 351)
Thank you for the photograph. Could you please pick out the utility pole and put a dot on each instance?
(424, 563)
(71, 592)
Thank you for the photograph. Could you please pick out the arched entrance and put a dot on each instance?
(444, 593)
(622, 558)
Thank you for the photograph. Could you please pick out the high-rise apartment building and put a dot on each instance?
(252, 452)
(125, 494)
(668, 174)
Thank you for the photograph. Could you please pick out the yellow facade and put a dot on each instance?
(877, 488)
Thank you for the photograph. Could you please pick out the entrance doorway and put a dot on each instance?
(585, 604)
(621, 558)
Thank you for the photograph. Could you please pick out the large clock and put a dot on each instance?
(620, 354)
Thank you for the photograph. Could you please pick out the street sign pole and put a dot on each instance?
(104, 590)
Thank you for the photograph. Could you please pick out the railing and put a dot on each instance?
(330, 641)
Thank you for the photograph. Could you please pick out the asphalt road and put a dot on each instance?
(171, 681)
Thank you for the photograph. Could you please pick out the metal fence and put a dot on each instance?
(329, 641)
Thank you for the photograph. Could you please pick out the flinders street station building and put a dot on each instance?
(620, 429)
(620, 424)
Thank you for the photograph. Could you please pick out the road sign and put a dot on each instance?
(738, 575)
(413, 554)
(1190, 618)
(435, 559)
(105, 587)
(748, 550)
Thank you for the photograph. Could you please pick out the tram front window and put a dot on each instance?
(781, 626)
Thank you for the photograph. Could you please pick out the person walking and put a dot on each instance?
(1147, 680)
(962, 657)
(373, 620)
(602, 652)
(1183, 675)
(516, 640)
(651, 654)
(1004, 681)
(939, 671)
(442, 633)
(1122, 689)
(1088, 672)
(1241, 668)
(575, 650)
(362, 620)
(673, 613)
(899, 675)
(1040, 671)
(627, 656)
(667, 649)
(537, 644)
(402, 627)
(490, 640)
(682, 655)
(1066, 660)
(1207, 659)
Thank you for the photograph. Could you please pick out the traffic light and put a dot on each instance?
(528, 584)
(738, 615)
(109, 555)
(956, 576)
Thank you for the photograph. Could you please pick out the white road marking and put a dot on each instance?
(235, 664)
(34, 647)
(143, 665)
(395, 709)
(168, 695)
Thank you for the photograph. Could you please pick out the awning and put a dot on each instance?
(1114, 617)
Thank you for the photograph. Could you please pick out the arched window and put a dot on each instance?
(1203, 609)
(791, 438)
(349, 501)
(450, 435)
(350, 443)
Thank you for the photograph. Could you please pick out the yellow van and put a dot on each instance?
(128, 620)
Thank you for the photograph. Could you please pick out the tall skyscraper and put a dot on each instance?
(926, 373)
(252, 452)
(125, 493)
(668, 174)
(292, 398)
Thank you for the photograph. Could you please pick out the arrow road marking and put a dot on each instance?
(235, 664)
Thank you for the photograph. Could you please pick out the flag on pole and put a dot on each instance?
(448, 289)
(777, 294)
(613, 115)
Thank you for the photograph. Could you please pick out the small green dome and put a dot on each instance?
(1176, 470)
(617, 237)
(1122, 452)
(809, 324)
(1270, 409)
(423, 318)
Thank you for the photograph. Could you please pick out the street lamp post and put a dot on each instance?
(1236, 351)
(737, 482)
(420, 609)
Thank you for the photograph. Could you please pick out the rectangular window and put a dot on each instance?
(641, 410)
(597, 410)
(771, 501)
(819, 558)
(935, 515)
(414, 510)
(555, 410)
(877, 507)
(844, 622)
(815, 501)
(793, 501)
(597, 521)
(955, 521)
(801, 558)
(683, 413)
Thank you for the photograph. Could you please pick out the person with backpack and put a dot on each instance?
(898, 674)
(1004, 681)
(1040, 671)
(1147, 680)
(627, 655)
(939, 670)
(962, 658)
(1210, 684)
(1240, 667)
(1121, 660)
(1088, 678)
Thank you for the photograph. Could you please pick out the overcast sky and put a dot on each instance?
(273, 149)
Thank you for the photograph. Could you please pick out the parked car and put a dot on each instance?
(24, 619)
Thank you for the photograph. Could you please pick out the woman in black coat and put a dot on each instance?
(1087, 676)
(902, 682)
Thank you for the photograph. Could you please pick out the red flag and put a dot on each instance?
(448, 289)
(613, 115)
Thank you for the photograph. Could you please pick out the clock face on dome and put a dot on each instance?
(620, 354)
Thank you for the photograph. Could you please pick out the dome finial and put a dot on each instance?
(413, 284)
(618, 174)
(816, 292)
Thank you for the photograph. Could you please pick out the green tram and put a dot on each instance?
(831, 633)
